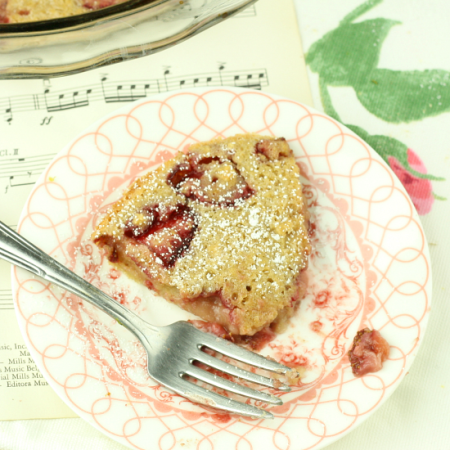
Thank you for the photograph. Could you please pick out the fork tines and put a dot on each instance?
(210, 398)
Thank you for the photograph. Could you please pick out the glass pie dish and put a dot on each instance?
(106, 36)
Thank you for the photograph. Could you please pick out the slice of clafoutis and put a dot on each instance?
(221, 231)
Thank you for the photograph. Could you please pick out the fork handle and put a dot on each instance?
(21, 252)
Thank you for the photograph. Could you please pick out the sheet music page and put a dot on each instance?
(259, 48)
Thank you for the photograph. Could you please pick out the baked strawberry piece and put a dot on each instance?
(368, 353)
(220, 231)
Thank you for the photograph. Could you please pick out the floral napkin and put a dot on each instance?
(348, 55)
(382, 68)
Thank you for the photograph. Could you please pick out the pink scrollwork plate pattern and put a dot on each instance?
(369, 267)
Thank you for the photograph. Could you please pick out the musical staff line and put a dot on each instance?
(6, 299)
(127, 90)
(23, 166)
(22, 171)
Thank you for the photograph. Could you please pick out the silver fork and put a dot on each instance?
(171, 350)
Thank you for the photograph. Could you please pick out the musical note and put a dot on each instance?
(8, 111)
(124, 93)
(249, 81)
(102, 81)
(166, 72)
(64, 104)
(221, 68)
(18, 182)
(251, 84)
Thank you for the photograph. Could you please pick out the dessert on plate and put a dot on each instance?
(220, 230)
(17, 11)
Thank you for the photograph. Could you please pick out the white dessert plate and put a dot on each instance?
(369, 267)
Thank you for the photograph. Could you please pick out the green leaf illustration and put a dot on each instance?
(347, 55)
(326, 100)
(386, 146)
(396, 96)
(439, 197)
(359, 11)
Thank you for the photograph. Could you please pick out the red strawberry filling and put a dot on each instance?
(98, 4)
(167, 232)
(209, 180)
(273, 149)
(3, 16)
